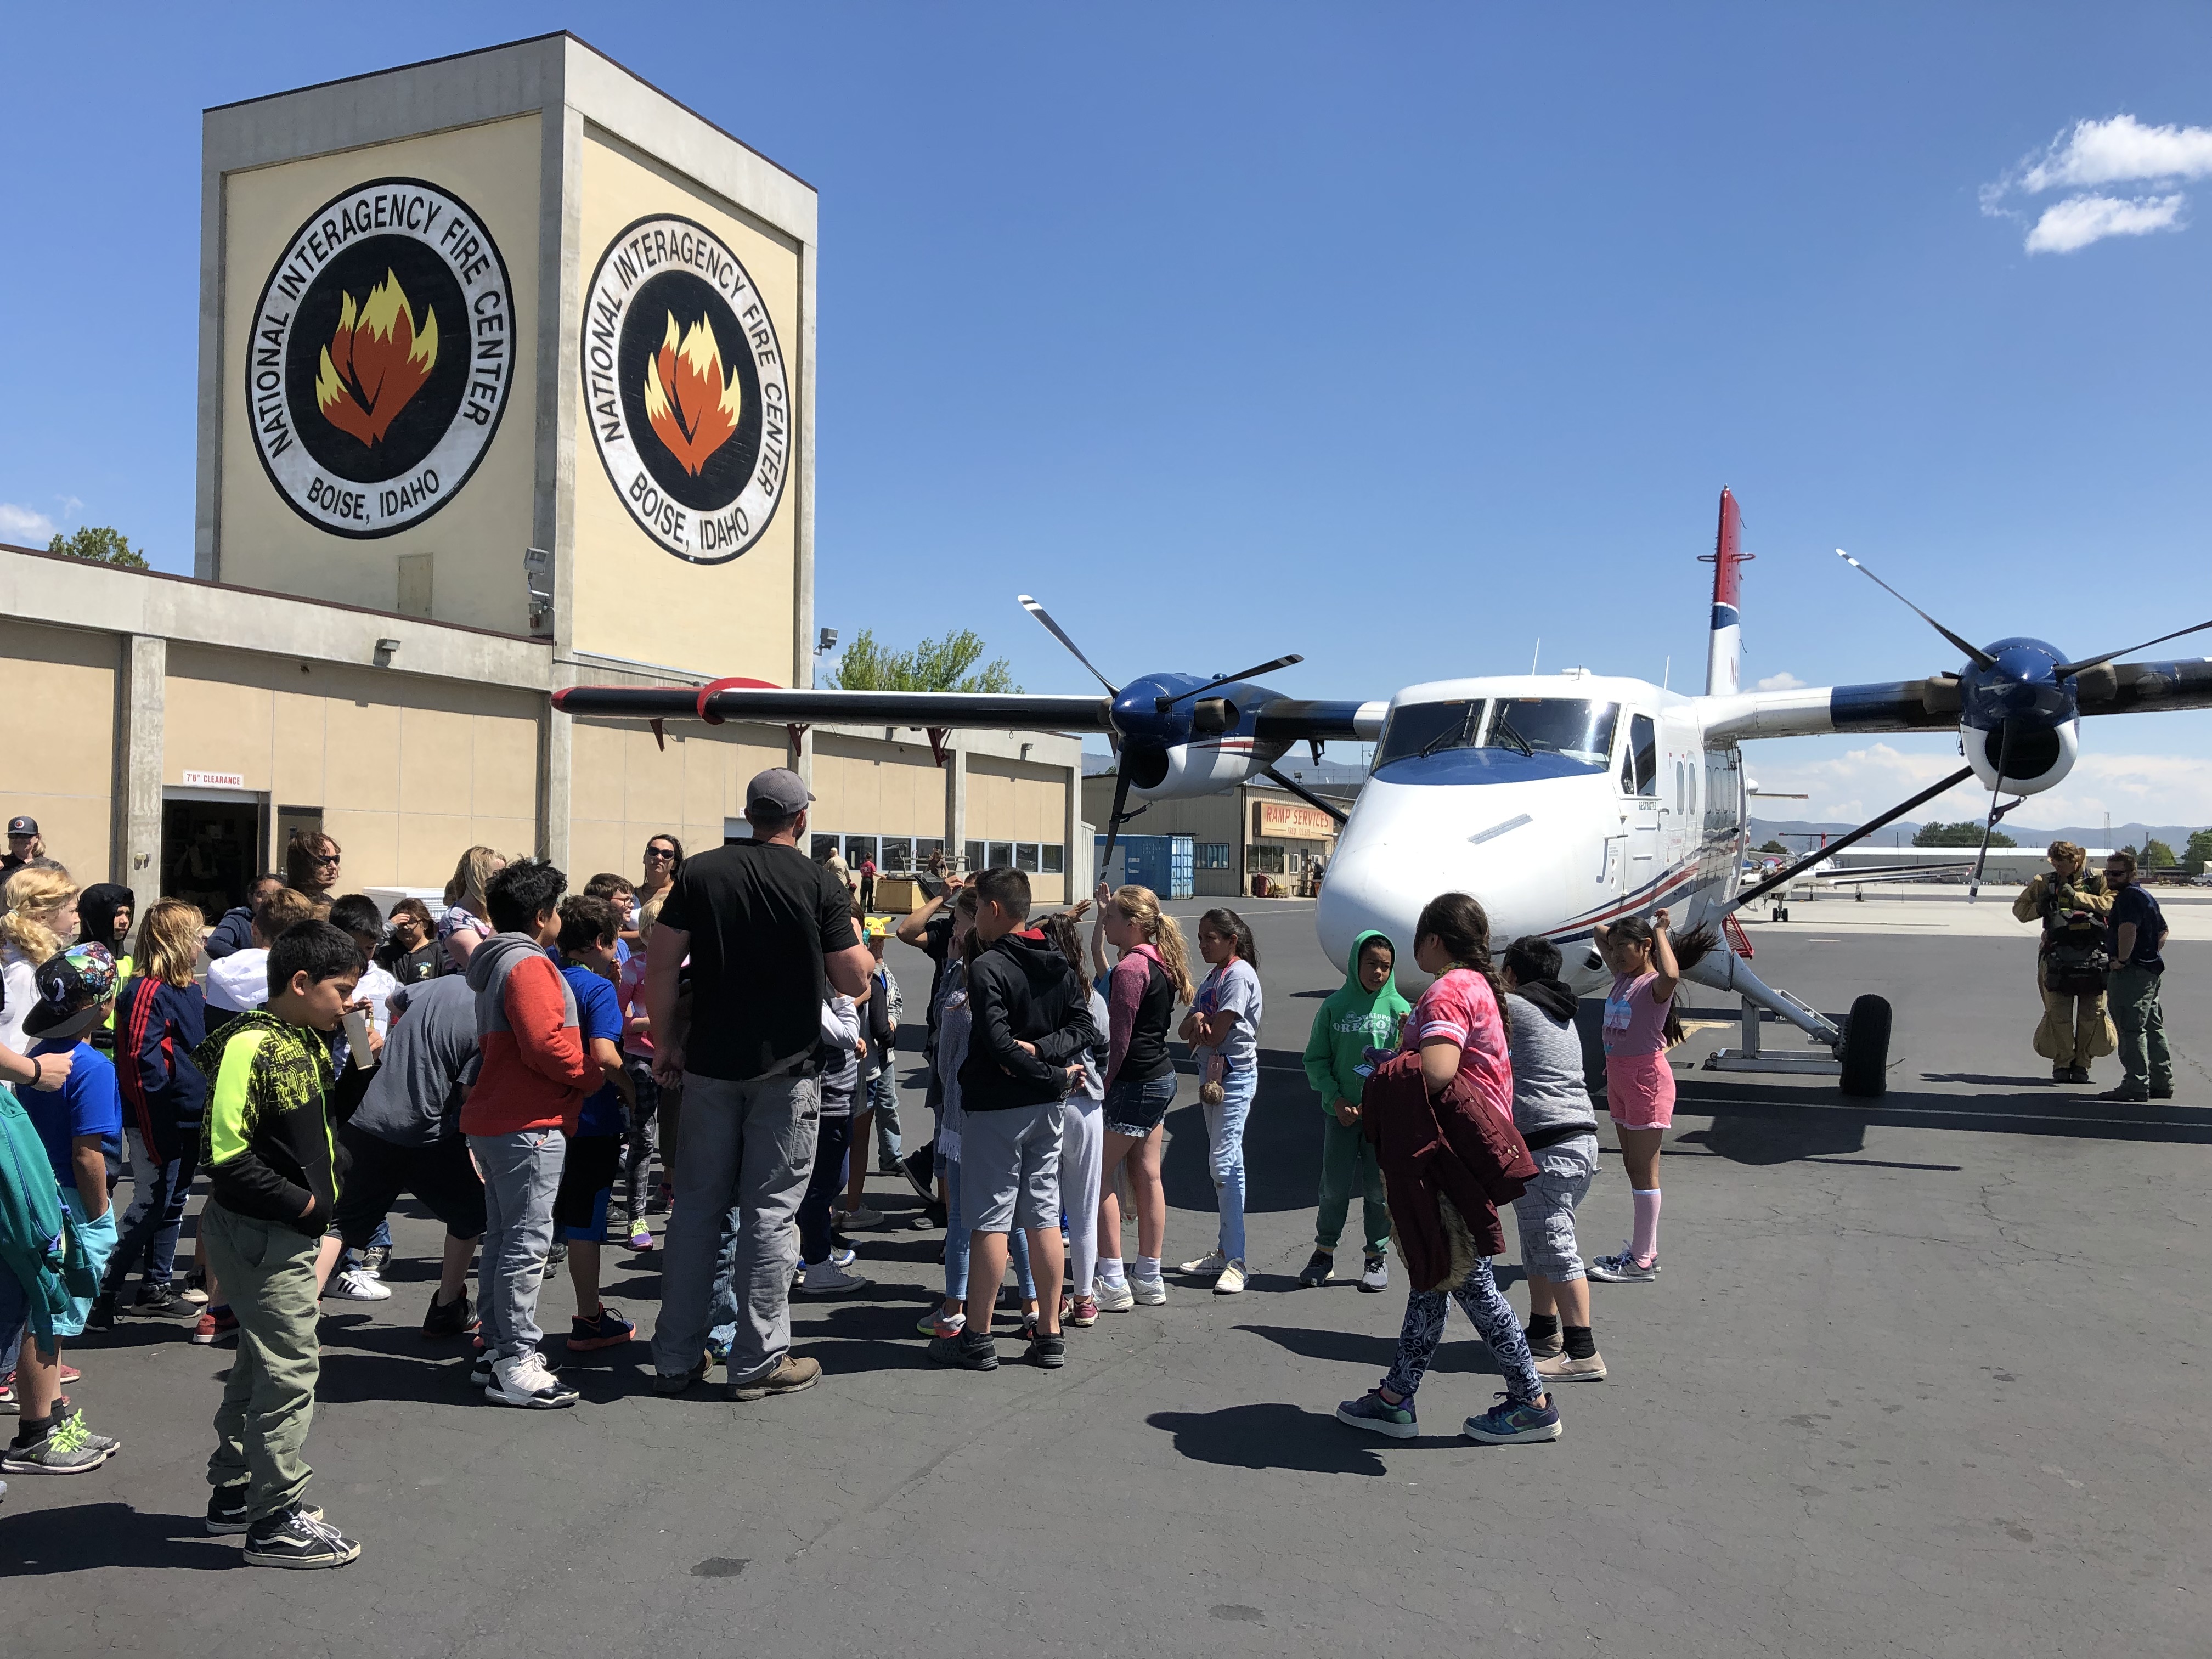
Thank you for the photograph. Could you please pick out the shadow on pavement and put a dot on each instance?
(1465, 1358)
(2044, 1112)
(1270, 1437)
(63, 1540)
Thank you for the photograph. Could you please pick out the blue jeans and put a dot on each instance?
(883, 1097)
(831, 1137)
(1224, 1140)
(157, 1215)
(957, 1243)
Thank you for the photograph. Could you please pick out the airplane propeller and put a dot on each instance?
(2022, 695)
(1126, 717)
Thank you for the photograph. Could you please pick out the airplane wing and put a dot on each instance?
(1932, 704)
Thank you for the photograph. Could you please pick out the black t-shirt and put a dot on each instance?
(2133, 904)
(761, 915)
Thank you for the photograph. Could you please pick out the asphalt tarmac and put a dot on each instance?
(1925, 1377)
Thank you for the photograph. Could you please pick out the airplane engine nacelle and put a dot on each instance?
(2036, 758)
(1200, 767)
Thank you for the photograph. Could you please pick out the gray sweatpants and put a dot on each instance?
(748, 1146)
(521, 1174)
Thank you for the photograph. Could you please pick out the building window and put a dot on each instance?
(824, 846)
(925, 848)
(1055, 858)
(1025, 856)
(971, 854)
(1212, 855)
(899, 853)
(1002, 854)
(858, 847)
(1261, 858)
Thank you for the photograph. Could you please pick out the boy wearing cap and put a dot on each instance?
(272, 1170)
(75, 1122)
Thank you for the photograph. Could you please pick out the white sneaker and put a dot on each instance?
(828, 1279)
(1208, 1266)
(1116, 1298)
(354, 1285)
(1375, 1275)
(1151, 1292)
(525, 1381)
(1232, 1280)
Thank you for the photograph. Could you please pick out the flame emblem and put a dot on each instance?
(690, 399)
(376, 362)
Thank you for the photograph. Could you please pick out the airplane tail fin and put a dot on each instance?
(1725, 653)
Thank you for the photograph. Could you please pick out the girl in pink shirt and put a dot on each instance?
(1640, 1026)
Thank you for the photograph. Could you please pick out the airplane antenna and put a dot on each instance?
(1667, 673)
(1537, 653)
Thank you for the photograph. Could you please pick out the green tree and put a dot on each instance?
(101, 545)
(1774, 847)
(943, 664)
(2157, 855)
(1966, 833)
(2200, 852)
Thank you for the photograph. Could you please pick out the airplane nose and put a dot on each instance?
(1367, 886)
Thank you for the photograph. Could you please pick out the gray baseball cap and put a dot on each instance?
(779, 788)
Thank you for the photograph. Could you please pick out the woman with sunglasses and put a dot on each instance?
(664, 857)
(311, 865)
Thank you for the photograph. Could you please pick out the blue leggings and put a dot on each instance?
(955, 1242)
(1481, 1300)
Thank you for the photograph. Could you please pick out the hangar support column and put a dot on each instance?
(955, 800)
(555, 740)
(134, 841)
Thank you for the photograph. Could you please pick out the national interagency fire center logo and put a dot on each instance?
(684, 388)
(382, 352)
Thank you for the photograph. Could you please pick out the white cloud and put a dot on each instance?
(2079, 220)
(2120, 150)
(2110, 152)
(23, 526)
(1785, 681)
(1862, 783)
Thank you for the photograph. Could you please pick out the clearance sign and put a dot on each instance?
(1284, 821)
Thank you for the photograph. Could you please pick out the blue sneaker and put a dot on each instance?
(1376, 1414)
(718, 1353)
(1511, 1421)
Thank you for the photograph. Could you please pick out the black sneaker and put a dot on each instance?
(158, 1301)
(374, 1258)
(226, 1512)
(972, 1350)
(447, 1318)
(674, 1383)
(297, 1537)
(1049, 1352)
(1319, 1271)
(102, 1317)
(919, 1169)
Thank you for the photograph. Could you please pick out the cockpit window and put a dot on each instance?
(1569, 727)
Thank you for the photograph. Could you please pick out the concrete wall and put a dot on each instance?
(58, 760)
(627, 789)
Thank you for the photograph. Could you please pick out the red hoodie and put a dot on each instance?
(535, 1072)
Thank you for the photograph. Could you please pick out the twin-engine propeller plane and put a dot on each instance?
(1561, 801)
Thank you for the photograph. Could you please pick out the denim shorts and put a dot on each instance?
(1135, 1110)
(1546, 1210)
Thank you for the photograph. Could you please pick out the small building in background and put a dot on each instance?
(1257, 829)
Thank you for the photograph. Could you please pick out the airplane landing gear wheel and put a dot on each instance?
(1864, 1050)
(1779, 913)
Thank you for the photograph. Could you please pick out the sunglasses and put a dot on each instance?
(325, 858)
(659, 852)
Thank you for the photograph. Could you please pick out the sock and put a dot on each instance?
(31, 1429)
(954, 1323)
(1644, 1246)
(1110, 1272)
(1581, 1345)
(1148, 1266)
(1542, 1327)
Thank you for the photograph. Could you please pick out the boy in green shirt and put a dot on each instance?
(1365, 1014)
(272, 1169)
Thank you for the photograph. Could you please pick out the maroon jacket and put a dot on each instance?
(1444, 1159)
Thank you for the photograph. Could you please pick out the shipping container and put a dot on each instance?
(1163, 863)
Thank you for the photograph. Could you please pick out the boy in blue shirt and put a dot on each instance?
(76, 1123)
(589, 926)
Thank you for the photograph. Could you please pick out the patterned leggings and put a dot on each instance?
(1483, 1304)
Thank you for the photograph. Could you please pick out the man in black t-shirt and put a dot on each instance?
(770, 937)
(2134, 931)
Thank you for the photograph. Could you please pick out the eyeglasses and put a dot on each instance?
(325, 858)
(659, 852)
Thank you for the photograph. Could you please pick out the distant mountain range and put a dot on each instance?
(1900, 834)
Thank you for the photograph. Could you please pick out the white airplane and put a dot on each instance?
(1561, 801)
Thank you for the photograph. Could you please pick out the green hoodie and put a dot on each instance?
(1352, 1020)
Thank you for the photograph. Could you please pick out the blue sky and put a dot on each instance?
(1400, 336)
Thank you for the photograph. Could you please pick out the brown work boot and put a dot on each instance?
(787, 1375)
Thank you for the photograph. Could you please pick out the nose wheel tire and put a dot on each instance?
(1864, 1050)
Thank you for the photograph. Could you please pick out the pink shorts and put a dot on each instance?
(1639, 1090)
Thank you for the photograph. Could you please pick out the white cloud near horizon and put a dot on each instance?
(24, 526)
(1863, 783)
(2118, 150)
(1785, 681)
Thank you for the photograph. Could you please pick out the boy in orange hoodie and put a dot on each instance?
(528, 1093)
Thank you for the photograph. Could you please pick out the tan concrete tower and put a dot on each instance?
(508, 299)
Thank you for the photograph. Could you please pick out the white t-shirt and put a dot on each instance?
(377, 986)
(22, 993)
(240, 981)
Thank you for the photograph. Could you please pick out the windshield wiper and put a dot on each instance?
(1502, 727)
(1438, 741)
